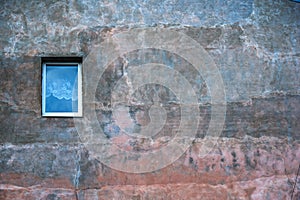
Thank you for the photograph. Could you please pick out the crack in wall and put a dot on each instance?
(77, 169)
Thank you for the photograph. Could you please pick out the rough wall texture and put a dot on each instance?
(255, 45)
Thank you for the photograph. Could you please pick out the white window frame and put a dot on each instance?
(79, 82)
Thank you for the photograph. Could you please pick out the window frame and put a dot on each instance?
(79, 112)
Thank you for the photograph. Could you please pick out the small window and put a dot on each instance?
(61, 89)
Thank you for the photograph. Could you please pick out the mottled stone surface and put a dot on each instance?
(231, 160)
(255, 46)
(263, 188)
(38, 164)
(36, 192)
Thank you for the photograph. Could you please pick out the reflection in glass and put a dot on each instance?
(61, 89)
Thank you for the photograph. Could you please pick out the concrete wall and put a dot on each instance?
(253, 45)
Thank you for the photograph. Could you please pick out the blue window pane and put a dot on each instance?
(61, 89)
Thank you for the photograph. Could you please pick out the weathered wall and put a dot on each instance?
(255, 46)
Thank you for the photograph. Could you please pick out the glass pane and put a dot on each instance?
(61, 89)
